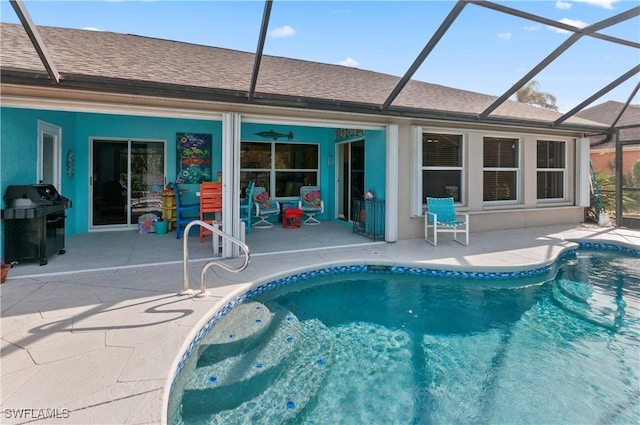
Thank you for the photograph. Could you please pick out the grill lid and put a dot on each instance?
(35, 195)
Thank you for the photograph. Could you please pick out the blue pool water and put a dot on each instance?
(374, 347)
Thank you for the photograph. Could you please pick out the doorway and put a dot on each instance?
(127, 181)
(49, 154)
(350, 170)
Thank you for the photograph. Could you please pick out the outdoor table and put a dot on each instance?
(291, 218)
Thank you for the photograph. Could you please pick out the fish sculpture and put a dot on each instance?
(274, 135)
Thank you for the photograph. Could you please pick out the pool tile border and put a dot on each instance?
(605, 246)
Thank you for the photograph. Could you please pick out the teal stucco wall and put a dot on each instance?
(19, 144)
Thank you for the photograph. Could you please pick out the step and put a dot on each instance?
(460, 368)
(215, 386)
(236, 332)
(579, 299)
(287, 392)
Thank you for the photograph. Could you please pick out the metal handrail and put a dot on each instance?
(185, 252)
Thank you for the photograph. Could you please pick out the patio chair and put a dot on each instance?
(184, 213)
(311, 203)
(264, 207)
(441, 216)
(210, 205)
(245, 206)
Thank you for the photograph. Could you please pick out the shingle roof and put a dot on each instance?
(191, 69)
(607, 113)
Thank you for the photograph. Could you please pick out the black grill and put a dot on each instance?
(34, 222)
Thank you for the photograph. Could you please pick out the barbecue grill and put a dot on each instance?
(34, 222)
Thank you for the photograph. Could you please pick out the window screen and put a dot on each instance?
(501, 160)
(442, 166)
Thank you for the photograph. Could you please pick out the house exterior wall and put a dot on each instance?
(604, 159)
(322, 136)
(19, 148)
(527, 212)
(164, 118)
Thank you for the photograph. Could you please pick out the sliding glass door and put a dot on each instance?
(127, 181)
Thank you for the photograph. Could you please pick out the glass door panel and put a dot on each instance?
(48, 160)
(357, 173)
(128, 178)
(109, 182)
(147, 178)
(351, 177)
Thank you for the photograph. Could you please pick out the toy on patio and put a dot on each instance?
(5, 270)
(146, 223)
(161, 226)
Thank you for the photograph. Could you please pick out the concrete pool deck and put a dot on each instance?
(98, 345)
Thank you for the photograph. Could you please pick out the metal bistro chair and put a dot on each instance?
(264, 207)
(310, 203)
(185, 214)
(441, 216)
(245, 206)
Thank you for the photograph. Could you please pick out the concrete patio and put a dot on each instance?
(94, 336)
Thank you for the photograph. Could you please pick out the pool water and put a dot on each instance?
(385, 348)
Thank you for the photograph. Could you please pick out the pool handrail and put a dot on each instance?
(185, 257)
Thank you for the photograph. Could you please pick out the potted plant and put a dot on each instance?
(5, 269)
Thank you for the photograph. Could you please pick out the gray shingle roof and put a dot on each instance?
(607, 113)
(82, 54)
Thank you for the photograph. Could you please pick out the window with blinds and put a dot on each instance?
(551, 169)
(442, 166)
(501, 159)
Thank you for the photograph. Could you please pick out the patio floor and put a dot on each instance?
(100, 250)
(94, 335)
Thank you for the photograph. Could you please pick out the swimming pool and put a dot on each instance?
(385, 345)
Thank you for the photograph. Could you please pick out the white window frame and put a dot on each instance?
(273, 170)
(518, 170)
(418, 204)
(563, 170)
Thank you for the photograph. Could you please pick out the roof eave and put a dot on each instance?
(147, 88)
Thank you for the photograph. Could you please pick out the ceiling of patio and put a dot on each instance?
(435, 47)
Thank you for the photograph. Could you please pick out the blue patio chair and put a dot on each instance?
(185, 214)
(310, 203)
(441, 216)
(245, 206)
(264, 207)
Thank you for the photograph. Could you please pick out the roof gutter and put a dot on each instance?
(152, 89)
(602, 142)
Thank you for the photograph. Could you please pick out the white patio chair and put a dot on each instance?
(441, 217)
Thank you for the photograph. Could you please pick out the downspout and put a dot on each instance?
(603, 141)
(618, 179)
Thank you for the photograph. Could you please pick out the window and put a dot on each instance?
(285, 166)
(441, 166)
(501, 159)
(551, 169)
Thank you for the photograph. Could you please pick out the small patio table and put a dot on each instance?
(292, 218)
